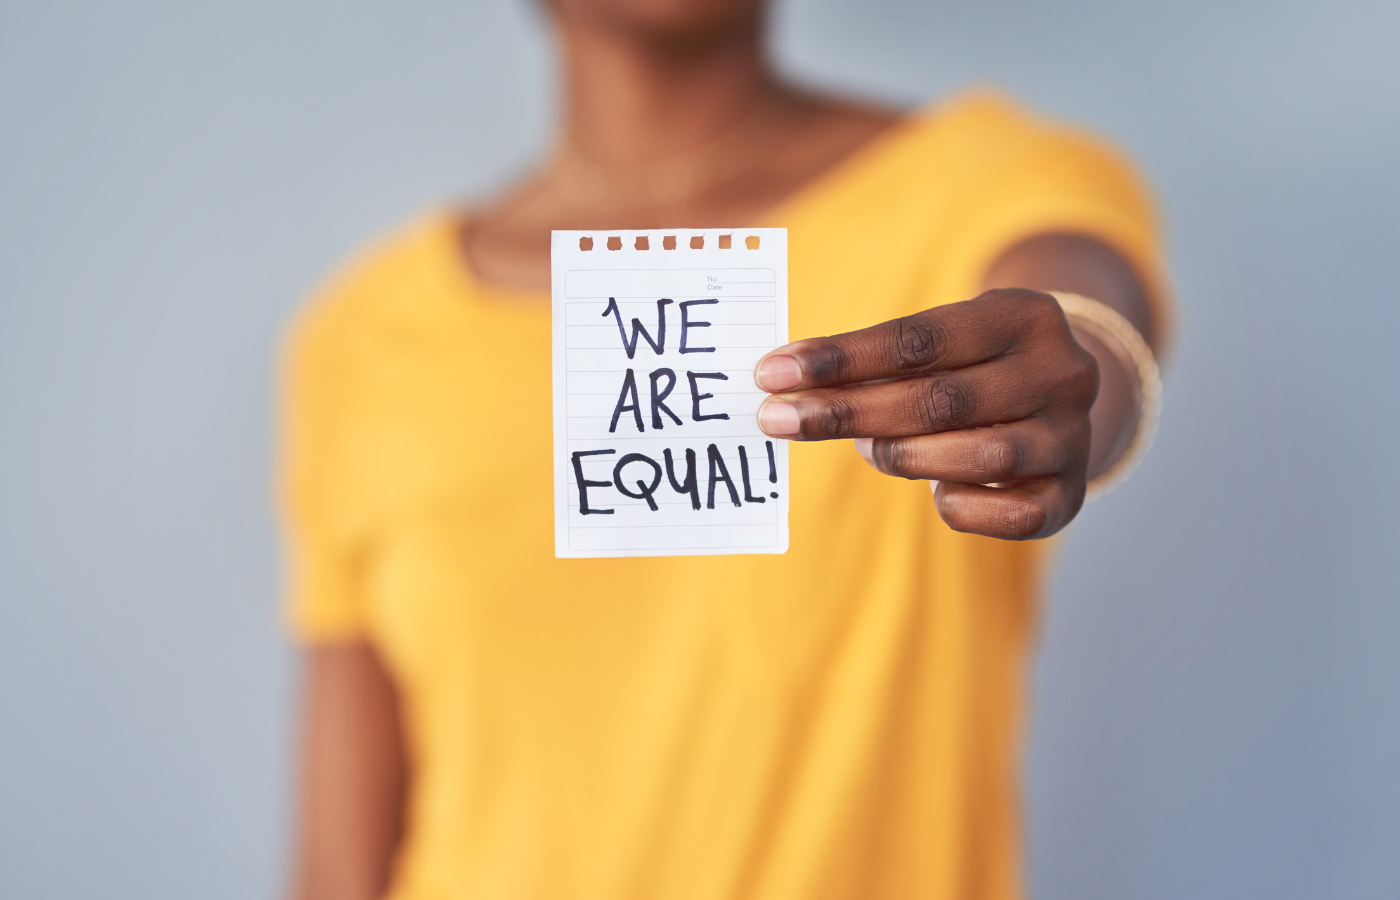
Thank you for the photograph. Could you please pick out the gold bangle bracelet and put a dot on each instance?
(1107, 325)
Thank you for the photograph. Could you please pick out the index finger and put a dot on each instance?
(938, 339)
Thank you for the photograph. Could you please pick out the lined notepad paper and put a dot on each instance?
(657, 450)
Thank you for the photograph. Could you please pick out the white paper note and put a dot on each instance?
(657, 450)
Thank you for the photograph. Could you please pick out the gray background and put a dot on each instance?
(1218, 683)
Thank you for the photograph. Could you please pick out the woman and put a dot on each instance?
(484, 720)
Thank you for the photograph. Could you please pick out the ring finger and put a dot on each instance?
(976, 456)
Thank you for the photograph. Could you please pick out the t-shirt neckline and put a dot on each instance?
(447, 223)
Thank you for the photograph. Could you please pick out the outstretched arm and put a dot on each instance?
(994, 397)
(1081, 265)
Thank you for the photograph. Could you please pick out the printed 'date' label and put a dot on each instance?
(657, 450)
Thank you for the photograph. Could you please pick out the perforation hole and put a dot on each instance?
(641, 243)
(585, 243)
(697, 243)
(726, 241)
(614, 243)
(668, 242)
(751, 242)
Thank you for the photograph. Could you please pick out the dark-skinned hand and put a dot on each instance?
(989, 397)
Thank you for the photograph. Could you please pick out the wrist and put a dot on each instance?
(1130, 399)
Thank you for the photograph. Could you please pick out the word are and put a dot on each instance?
(627, 398)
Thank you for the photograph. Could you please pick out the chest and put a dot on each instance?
(454, 448)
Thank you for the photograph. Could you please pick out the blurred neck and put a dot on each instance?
(632, 99)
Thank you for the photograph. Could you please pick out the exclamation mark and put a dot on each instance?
(772, 468)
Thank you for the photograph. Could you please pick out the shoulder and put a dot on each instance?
(968, 154)
(1010, 174)
(379, 283)
(998, 144)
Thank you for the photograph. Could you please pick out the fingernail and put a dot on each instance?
(779, 418)
(863, 447)
(778, 373)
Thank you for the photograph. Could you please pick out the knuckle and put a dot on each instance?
(1071, 381)
(1034, 306)
(898, 457)
(950, 510)
(1022, 518)
(1043, 323)
(1007, 294)
(919, 341)
(1043, 307)
(959, 511)
(828, 362)
(1089, 375)
(1000, 458)
(837, 418)
(945, 405)
(1081, 378)
(1071, 448)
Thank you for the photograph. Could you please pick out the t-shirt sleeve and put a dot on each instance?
(322, 599)
(1038, 177)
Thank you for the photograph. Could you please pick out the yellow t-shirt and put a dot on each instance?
(842, 721)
